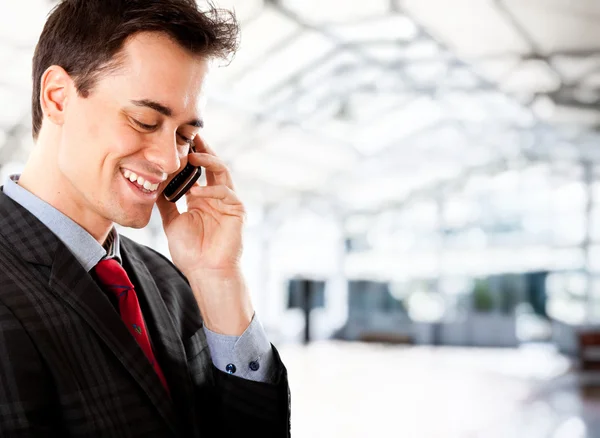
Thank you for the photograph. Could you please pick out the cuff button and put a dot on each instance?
(254, 365)
(230, 368)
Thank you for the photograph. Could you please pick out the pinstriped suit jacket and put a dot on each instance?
(70, 368)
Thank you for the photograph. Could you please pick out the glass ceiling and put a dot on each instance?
(408, 117)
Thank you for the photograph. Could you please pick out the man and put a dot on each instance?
(101, 336)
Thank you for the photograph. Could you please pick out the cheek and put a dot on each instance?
(183, 157)
(81, 135)
(92, 152)
(122, 143)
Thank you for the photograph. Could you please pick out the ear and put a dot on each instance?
(54, 88)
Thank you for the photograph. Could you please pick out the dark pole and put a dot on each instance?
(306, 302)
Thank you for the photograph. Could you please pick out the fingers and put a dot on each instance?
(201, 146)
(217, 172)
(227, 202)
(220, 192)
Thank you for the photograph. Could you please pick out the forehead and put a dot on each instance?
(155, 67)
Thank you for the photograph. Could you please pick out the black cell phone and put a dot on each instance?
(182, 182)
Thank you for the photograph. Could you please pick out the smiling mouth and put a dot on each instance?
(140, 182)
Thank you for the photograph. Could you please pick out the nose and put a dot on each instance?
(163, 153)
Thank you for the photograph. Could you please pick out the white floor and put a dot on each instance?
(368, 390)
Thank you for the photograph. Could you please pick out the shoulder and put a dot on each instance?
(13, 268)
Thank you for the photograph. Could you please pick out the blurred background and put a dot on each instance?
(423, 239)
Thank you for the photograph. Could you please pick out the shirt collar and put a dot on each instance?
(82, 244)
(112, 245)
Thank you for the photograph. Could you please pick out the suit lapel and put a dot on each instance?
(70, 282)
(166, 339)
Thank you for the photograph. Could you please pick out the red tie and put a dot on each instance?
(112, 275)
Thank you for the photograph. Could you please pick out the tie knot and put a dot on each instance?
(112, 275)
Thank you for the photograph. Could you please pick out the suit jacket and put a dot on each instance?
(70, 368)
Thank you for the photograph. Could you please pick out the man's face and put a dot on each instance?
(115, 132)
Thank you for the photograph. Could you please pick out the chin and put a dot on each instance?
(136, 220)
(136, 223)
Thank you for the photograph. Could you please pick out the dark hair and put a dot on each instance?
(85, 37)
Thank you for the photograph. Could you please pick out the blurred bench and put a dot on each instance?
(385, 337)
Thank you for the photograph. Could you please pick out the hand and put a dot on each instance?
(208, 237)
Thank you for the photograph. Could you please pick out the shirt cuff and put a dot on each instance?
(248, 356)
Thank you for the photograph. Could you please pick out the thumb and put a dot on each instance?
(168, 210)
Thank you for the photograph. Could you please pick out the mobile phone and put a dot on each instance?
(182, 182)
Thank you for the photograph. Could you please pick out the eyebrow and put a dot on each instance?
(165, 111)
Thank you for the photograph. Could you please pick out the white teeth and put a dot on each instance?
(133, 177)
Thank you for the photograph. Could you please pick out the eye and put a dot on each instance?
(186, 141)
(144, 126)
(186, 146)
